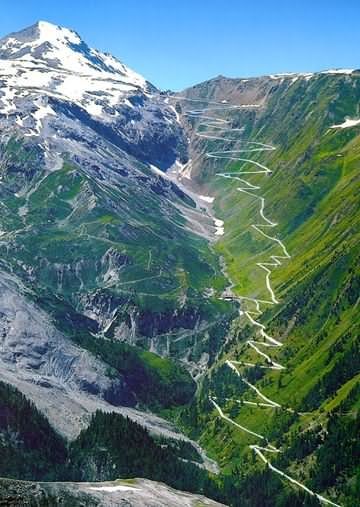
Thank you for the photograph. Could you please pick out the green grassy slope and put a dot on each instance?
(313, 195)
(113, 262)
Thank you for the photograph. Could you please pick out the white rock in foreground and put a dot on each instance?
(121, 493)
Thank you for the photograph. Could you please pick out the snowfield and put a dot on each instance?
(346, 124)
(50, 58)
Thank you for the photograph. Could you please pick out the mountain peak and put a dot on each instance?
(61, 48)
(37, 34)
(50, 32)
(52, 61)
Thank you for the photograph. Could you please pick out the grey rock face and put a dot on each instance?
(132, 493)
(65, 382)
(86, 215)
(37, 352)
(47, 74)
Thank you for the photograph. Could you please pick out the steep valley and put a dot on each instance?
(288, 378)
(179, 282)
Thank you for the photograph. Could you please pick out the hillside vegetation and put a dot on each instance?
(312, 193)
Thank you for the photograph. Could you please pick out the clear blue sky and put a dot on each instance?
(177, 43)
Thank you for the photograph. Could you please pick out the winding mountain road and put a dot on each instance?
(212, 127)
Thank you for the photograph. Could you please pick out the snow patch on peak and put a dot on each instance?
(56, 62)
(49, 32)
(293, 75)
(62, 49)
(338, 71)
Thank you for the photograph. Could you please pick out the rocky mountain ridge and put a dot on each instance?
(83, 142)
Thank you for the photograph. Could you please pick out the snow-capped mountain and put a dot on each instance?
(47, 71)
(63, 50)
(87, 217)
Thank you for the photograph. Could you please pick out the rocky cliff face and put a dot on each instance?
(71, 98)
(63, 380)
(96, 250)
(33, 348)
